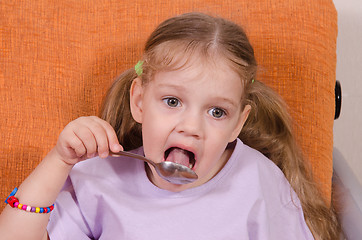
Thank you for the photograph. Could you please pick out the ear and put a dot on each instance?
(242, 119)
(136, 98)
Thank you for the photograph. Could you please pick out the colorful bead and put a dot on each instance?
(14, 203)
(11, 194)
(12, 200)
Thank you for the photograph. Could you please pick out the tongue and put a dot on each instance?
(179, 156)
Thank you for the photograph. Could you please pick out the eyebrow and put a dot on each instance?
(228, 101)
(181, 87)
(170, 85)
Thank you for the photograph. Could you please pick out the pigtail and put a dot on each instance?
(269, 130)
(116, 111)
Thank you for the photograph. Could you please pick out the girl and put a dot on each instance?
(191, 100)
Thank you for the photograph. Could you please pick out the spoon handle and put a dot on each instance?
(132, 155)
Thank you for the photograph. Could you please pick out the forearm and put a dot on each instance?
(40, 189)
(79, 140)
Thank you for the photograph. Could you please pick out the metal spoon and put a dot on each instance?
(170, 171)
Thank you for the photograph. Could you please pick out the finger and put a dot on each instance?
(100, 136)
(87, 138)
(69, 145)
(76, 147)
(99, 129)
(113, 143)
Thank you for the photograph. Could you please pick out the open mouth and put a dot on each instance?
(180, 156)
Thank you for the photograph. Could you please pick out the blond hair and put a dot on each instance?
(196, 38)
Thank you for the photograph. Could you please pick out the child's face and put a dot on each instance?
(196, 109)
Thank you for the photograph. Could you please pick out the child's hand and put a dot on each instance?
(85, 138)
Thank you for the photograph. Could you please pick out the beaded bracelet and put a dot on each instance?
(14, 203)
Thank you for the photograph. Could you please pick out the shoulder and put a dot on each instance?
(273, 204)
(264, 178)
(254, 164)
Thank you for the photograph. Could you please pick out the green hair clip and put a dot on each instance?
(138, 68)
(252, 80)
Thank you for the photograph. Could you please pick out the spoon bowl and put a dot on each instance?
(172, 172)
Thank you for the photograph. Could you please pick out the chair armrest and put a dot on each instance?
(347, 194)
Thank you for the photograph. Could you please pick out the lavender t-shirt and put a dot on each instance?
(113, 199)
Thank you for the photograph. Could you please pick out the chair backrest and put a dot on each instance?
(57, 58)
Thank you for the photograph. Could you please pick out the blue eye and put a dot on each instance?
(172, 102)
(217, 112)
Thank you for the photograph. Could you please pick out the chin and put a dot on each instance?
(163, 184)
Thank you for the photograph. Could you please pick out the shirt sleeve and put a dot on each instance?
(286, 223)
(289, 223)
(66, 220)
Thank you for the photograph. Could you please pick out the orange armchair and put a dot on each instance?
(57, 58)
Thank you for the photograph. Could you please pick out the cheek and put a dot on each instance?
(216, 140)
(217, 146)
(222, 131)
(154, 132)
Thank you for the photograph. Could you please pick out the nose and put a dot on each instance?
(190, 124)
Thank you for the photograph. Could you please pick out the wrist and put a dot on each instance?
(14, 203)
(44, 184)
(55, 156)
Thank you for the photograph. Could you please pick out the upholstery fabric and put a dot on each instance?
(57, 58)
